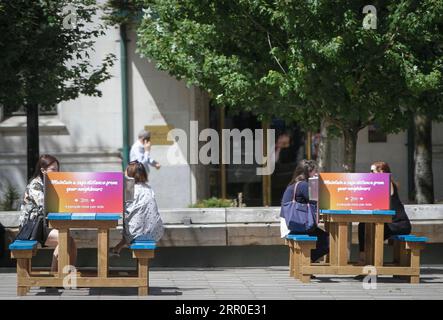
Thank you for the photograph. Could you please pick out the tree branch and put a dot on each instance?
(276, 59)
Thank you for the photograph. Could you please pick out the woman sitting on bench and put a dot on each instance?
(305, 170)
(33, 206)
(400, 224)
(142, 220)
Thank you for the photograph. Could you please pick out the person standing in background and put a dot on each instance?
(283, 142)
(141, 150)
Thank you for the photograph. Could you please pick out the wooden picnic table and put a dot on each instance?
(27, 277)
(102, 277)
(102, 222)
(337, 223)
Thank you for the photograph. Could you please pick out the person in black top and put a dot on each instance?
(304, 170)
(400, 222)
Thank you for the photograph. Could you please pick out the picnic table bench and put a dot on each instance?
(407, 248)
(23, 251)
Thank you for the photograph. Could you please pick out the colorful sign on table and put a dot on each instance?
(354, 191)
(84, 192)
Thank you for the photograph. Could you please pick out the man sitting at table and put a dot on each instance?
(400, 224)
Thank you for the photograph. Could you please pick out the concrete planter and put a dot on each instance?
(188, 227)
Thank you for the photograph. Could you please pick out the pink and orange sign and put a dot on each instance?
(84, 192)
(354, 191)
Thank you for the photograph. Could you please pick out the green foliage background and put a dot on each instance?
(41, 61)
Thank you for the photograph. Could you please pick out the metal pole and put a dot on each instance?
(124, 89)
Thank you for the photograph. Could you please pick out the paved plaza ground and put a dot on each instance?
(271, 283)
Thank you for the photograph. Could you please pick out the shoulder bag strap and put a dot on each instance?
(295, 191)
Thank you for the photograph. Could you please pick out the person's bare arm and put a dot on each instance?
(147, 158)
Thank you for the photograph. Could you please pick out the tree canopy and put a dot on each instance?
(45, 52)
(302, 60)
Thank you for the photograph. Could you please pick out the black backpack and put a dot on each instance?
(33, 229)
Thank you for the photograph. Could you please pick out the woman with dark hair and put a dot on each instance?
(400, 222)
(305, 170)
(141, 220)
(33, 206)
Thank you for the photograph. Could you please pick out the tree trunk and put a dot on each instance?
(32, 136)
(323, 158)
(350, 151)
(424, 185)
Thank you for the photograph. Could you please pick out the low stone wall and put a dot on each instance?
(233, 226)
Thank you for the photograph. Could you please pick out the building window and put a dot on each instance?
(375, 134)
(42, 110)
(228, 180)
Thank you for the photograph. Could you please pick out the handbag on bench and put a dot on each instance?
(33, 229)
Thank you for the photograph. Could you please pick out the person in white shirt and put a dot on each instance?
(141, 149)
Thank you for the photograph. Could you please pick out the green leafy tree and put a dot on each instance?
(418, 51)
(211, 55)
(45, 48)
(339, 67)
(303, 61)
(308, 61)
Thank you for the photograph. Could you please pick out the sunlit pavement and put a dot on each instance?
(245, 284)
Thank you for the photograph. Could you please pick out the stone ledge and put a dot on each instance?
(233, 227)
(48, 125)
(417, 213)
